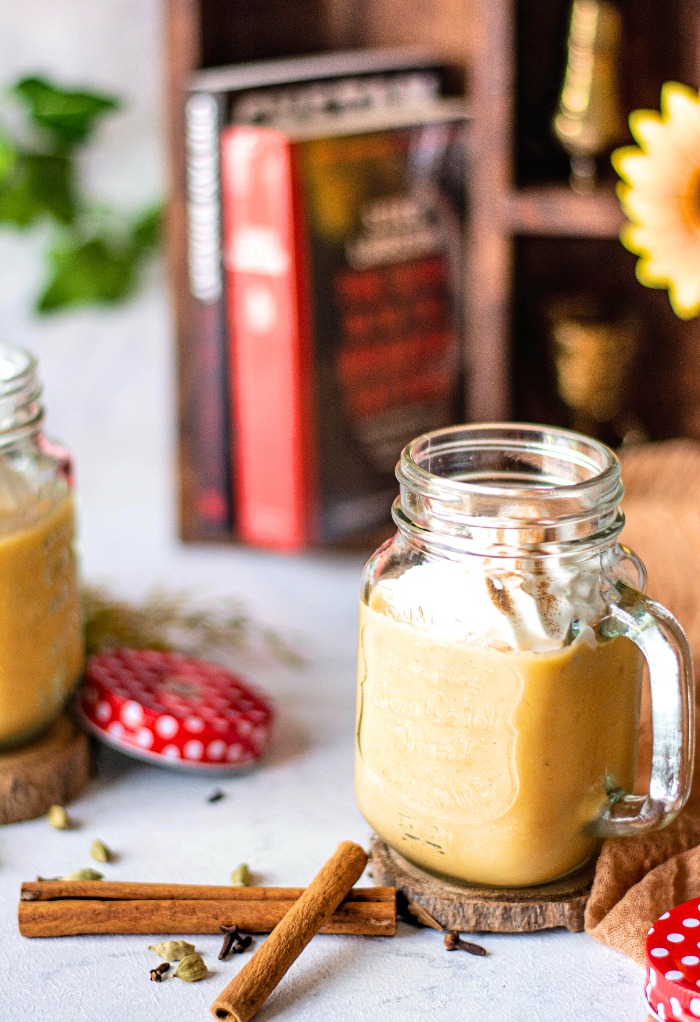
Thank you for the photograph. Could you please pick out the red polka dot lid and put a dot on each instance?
(672, 956)
(174, 710)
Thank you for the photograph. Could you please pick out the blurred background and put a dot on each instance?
(107, 370)
(546, 319)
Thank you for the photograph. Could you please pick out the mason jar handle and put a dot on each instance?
(664, 646)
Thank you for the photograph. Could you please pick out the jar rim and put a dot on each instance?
(17, 365)
(507, 486)
(598, 464)
(21, 411)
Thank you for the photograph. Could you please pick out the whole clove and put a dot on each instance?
(157, 973)
(453, 942)
(234, 941)
(230, 937)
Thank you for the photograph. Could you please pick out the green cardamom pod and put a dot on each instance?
(191, 968)
(100, 852)
(172, 950)
(241, 875)
(83, 874)
(58, 818)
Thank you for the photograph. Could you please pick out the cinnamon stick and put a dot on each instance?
(247, 992)
(56, 908)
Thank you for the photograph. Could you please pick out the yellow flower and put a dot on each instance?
(661, 196)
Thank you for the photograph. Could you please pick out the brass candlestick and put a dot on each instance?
(594, 359)
(589, 119)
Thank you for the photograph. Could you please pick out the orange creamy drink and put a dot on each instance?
(41, 644)
(489, 765)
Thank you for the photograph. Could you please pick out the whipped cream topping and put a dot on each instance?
(484, 603)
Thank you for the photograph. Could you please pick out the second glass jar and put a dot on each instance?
(41, 635)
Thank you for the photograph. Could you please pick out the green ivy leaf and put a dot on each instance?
(70, 116)
(147, 230)
(88, 272)
(8, 158)
(89, 264)
(35, 186)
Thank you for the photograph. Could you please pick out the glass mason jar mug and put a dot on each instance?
(502, 637)
(41, 638)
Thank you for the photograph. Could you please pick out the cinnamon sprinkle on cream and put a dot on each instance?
(499, 596)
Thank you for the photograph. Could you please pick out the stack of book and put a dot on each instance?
(326, 216)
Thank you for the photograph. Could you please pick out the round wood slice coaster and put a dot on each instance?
(51, 770)
(490, 910)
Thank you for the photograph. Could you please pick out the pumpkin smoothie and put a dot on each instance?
(480, 761)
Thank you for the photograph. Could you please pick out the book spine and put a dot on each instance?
(270, 346)
(206, 420)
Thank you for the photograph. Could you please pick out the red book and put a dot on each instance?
(342, 246)
(268, 312)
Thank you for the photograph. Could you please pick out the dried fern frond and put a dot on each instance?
(174, 621)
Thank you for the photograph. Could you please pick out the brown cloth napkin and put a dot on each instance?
(638, 879)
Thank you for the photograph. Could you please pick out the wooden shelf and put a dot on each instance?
(660, 42)
(556, 211)
(483, 41)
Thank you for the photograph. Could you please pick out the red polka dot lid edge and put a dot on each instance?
(175, 710)
(672, 960)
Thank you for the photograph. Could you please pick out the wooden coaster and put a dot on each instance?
(51, 770)
(486, 909)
